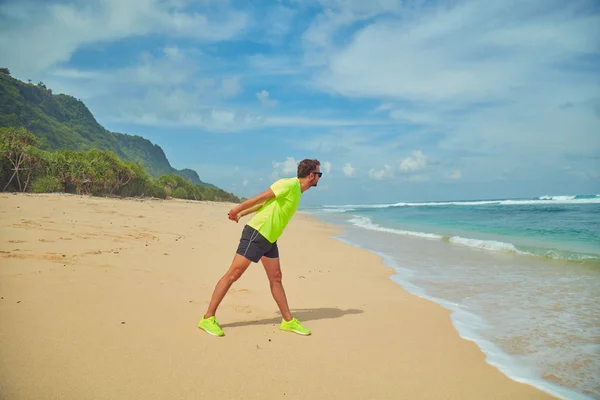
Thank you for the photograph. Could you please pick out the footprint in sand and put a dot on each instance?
(16, 241)
(243, 309)
(92, 252)
(45, 241)
(55, 257)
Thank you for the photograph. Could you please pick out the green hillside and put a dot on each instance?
(61, 122)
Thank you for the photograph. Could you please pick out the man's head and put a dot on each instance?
(310, 171)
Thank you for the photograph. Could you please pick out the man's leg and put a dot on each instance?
(273, 270)
(237, 268)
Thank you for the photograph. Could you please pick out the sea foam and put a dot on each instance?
(571, 199)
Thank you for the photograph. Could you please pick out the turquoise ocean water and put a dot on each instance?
(522, 277)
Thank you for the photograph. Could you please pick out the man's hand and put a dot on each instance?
(250, 206)
(233, 215)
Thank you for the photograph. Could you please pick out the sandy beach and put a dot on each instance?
(100, 299)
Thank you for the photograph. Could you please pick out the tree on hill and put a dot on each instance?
(62, 122)
(26, 168)
(16, 147)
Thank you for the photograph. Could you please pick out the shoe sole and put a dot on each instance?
(296, 332)
(210, 333)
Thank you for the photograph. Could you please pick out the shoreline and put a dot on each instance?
(117, 287)
(494, 355)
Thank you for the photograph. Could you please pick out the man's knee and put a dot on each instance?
(234, 274)
(275, 276)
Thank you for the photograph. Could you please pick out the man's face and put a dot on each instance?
(316, 176)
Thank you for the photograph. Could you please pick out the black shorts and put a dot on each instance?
(253, 245)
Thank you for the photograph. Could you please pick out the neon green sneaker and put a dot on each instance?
(210, 326)
(295, 326)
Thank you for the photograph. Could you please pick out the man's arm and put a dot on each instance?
(247, 206)
(250, 210)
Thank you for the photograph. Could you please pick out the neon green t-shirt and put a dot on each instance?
(273, 217)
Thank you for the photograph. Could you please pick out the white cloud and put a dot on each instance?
(272, 65)
(326, 167)
(386, 173)
(455, 175)
(161, 91)
(51, 33)
(453, 54)
(170, 91)
(245, 182)
(417, 162)
(175, 67)
(320, 38)
(230, 87)
(265, 99)
(487, 84)
(299, 121)
(287, 167)
(174, 111)
(493, 78)
(415, 117)
(348, 170)
(278, 23)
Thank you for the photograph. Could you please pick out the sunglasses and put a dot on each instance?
(319, 174)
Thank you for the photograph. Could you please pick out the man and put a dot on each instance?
(274, 208)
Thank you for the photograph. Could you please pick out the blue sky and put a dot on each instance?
(400, 100)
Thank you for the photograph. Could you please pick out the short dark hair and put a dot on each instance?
(306, 166)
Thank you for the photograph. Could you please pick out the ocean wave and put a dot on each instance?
(489, 245)
(542, 200)
(486, 244)
(366, 223)
(559, 198)
(337, 209)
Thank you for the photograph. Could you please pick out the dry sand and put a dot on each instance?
(101, 297)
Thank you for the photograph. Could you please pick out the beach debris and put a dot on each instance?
(122, 322)
(19, 301)
(302, 277)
